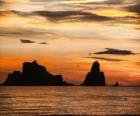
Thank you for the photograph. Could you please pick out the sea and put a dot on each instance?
(66, 100)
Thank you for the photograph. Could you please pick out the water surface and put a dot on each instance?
(69, 100)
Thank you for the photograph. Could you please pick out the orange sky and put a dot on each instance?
(74, 31)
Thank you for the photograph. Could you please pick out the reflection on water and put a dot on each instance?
(69, 100)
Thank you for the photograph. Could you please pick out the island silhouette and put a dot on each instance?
(95, 77)
(33, 74)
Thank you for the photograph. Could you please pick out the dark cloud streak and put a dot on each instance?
(107, 59)
(61, 15)
(108, 2)
(134, 8)
(71, 15)
(26, 41)
(114, 2)
(43, 43)
(115, 52)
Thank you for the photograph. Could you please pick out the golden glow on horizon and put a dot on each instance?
(76, 67)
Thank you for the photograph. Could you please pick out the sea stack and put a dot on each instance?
(95, 77)
(34, 74)
(116, 84)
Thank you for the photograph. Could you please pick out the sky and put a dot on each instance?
(67, 36)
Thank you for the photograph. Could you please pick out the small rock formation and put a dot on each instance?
(34, 74)
(94, 77)
(116, 84)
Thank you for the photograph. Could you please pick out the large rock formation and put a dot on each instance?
(95, 77)
(34, 74)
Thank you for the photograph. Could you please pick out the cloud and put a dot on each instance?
(115, 52)
(48, 0)
(43, 43)
(107, 59)
(14, 12)
(1, 2)
(71, 16)
(60, 15)
(113, 2)
(5, 31)
(134, 8)
(30, 41)
(108, 2)
(26, 41)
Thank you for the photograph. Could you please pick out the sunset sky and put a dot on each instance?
(67, 36)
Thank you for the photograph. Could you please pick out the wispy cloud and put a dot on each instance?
(5, 31)
(71, 16)
(60, 15)
(26, 41)
(30, 41)
(103, 58)
(113, 2)
(108, 2)
(134, 8)
(115, 52)
(43, 43)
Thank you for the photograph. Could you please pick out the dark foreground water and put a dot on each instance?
(33, 101)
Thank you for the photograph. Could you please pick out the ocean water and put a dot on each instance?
(34, 101)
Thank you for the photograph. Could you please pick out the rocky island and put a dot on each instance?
(34, 74)
(95, 77)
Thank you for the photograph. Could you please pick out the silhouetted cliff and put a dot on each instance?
(34, 74)
(94, 77)
(116, 84)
